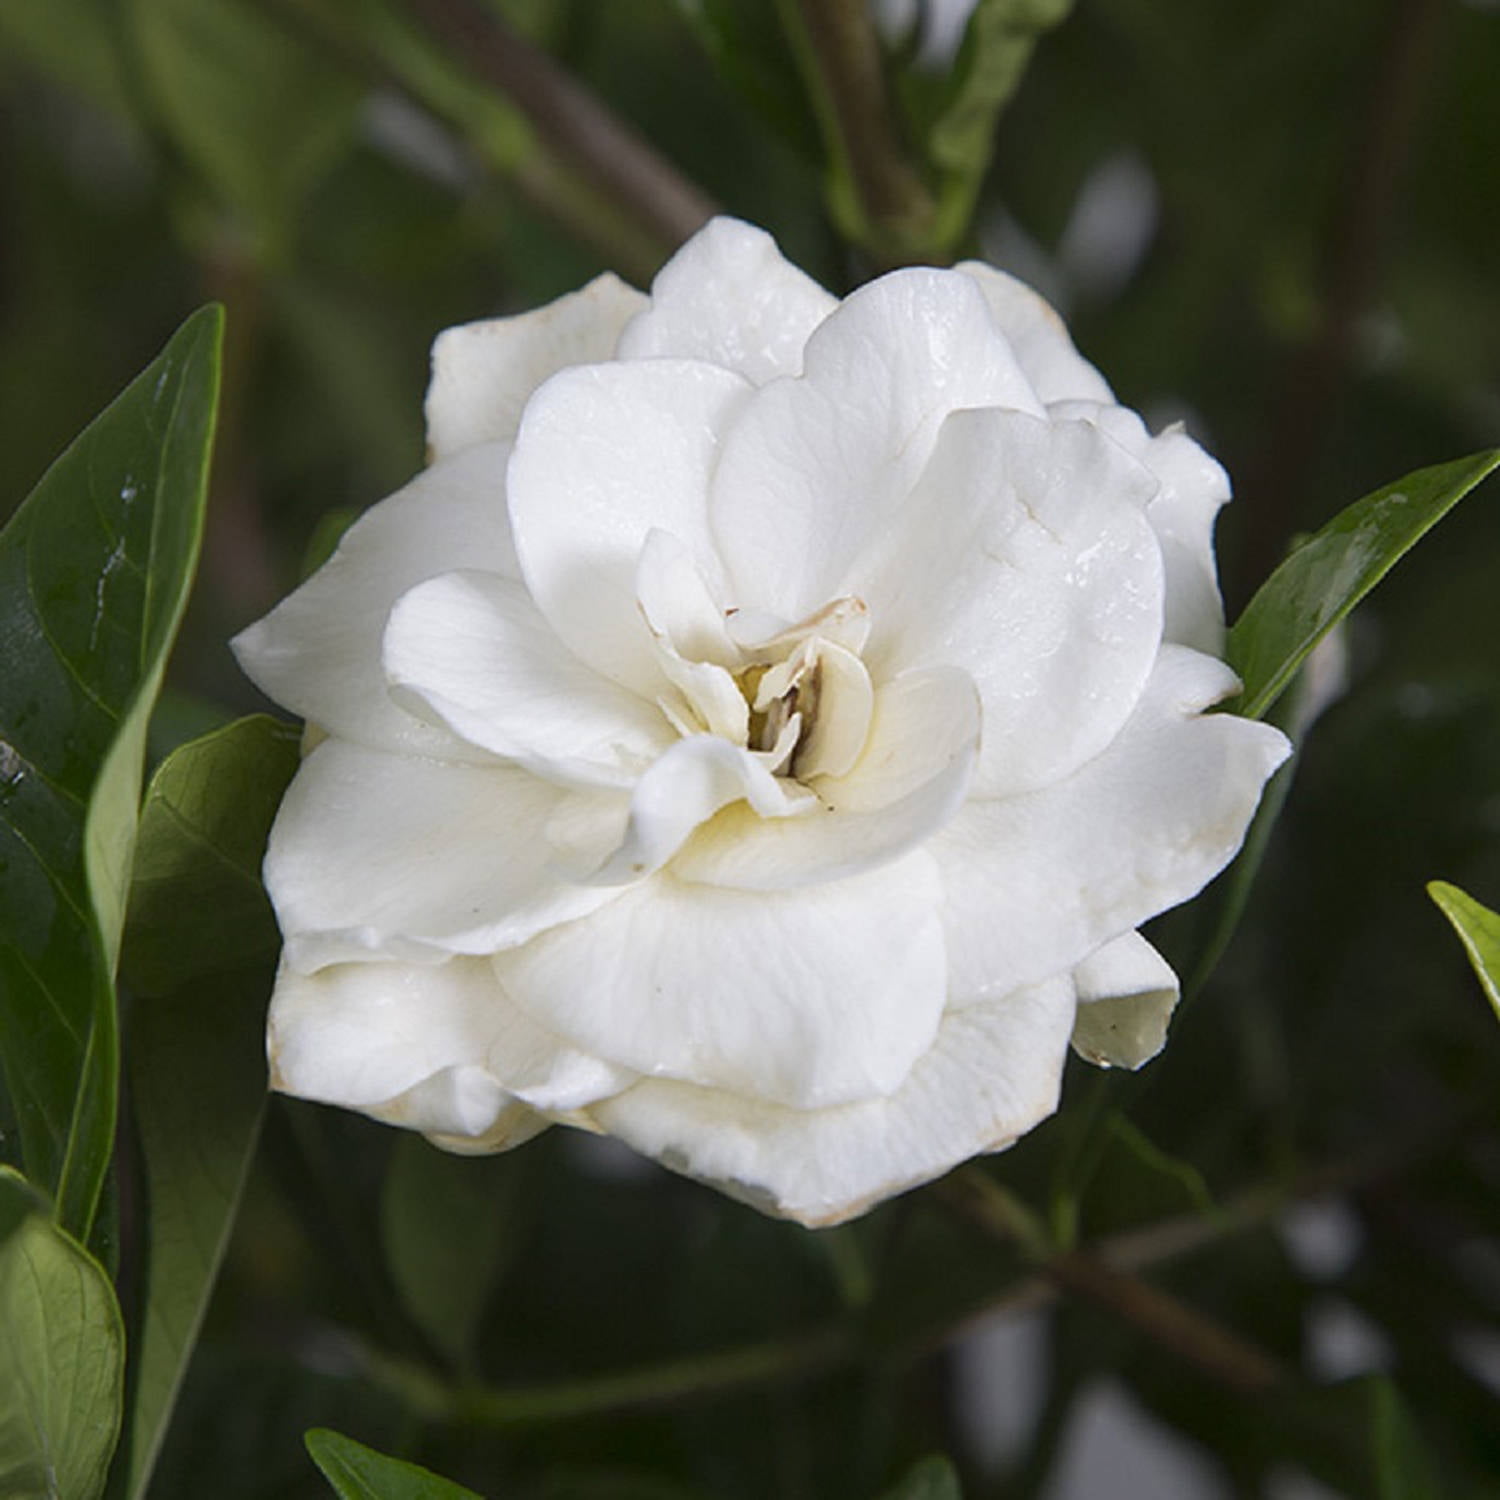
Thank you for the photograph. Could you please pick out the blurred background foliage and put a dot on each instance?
(1277, 221)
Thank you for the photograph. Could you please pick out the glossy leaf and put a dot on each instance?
(197, 906)
(245, 101)
(1334, 569)
(931, 1478)
(62, 1356)
(447, 1224)
(360, 1473)
(94, 574)
(1478, 929)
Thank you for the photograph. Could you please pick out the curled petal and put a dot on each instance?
(815, 467)
(318, 652)
(484, 373)
(382, 856)
(992, 1073)
(729, 297)
(1039, 337)
(1036, 883)
(808, 998)
(1024, 558)
(436, 1047)
(605, 454)
(1126, 995)
(910, 778)
(470, 651)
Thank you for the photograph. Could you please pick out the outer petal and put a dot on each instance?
(1038, 882)
(729, 297)
(910, 779)
(1126, 995)
(816, 466)
(484, 373)
(606, 453)
(318, 652)
(1194, 487)
(1039, 336)
(471, 651)
(816, 997)
(437, 1048)
(1023, 558)
(992, 1073)
(380, 856)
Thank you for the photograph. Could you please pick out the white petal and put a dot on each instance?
(484, 373)
(687, 786)
(1126, 995)
(992, 1073)
(679, 604)
(728, 297)
(382, 856)
(1023, 557)
(816, 466)
(812, 997)
(437, 1048)
(605, 454)
(318, 652)
(1037, 882)
(471, 651)
(1039, 336)
(1194, 487)
(911, 778)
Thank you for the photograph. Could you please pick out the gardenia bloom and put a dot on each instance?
(757, 735)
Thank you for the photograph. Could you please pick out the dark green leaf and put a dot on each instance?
(931, 1478)
(446, 1222)
(360, 1473)
(1478, 929)
(1402, 1470)
(94, 573)
(197, 905)
(62, 1357)
(258, 114)
(1333, 570)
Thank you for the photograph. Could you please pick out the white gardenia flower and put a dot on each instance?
(757, 735)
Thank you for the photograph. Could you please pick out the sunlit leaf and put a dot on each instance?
(94, 573)
(1478, 929)
(1334, 569)
(62, 1356)
(360, 1473)
(200, 952)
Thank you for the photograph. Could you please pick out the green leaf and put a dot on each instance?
(1402, 1470)
(931, 1478)
(360, 1473)
(1334, 569)
(997, 46)
(197, 905)
(255, 111)
(200, 951)
(198, 1075)
(62, 1357)
(94, 574)
(1478, 929)
(447, 1222)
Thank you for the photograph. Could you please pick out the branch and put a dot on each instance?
(574, 123)
(1222, 1355)
(843, 55)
